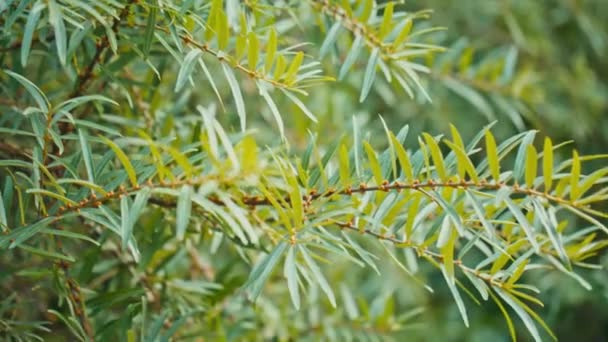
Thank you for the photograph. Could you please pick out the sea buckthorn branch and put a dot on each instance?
(358, 28)
(420, 251)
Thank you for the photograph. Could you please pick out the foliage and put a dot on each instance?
(143, 194)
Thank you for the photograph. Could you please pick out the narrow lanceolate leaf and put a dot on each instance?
(479, 211)
(86, 154)
(273, 108)
(262, 271)
(126, 226)
(523, 222)
(290, 272)
(56, 20)
(575, 175)
(404, 159)
(551, 229)
(300, 105)
(319, 278)
(387, 19)
(330, 39)
(271, 50)
(124, 160)
(223, 31)
(30, 27)
(520, 158)
(185, 71)
(447, 251)
(463, 160)
(523, 315)
(351, 58)
(33, 90)
(294, 67)
(236, 93)
(370, 74)
(437, 157)
(253, 51)
(459, 302)
(149, 33)
(344, 166)
(492, 154)
(373, 163)
(531, 166)
(548, 164)
(183, 210)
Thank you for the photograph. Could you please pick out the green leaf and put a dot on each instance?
(124, 160)
(330, 39)
(520, 158)
(33, 90)
(47, 254)
(262, 270)
(56, 20)
(236, 93)
(351, 58)
(86, 154)
(182, 212)
(518, 307)
(300, 105)
(149, 33)
(186, 69)
(523, 222)
(506, 316)
(370, 74)
(459, 303)
(30, 27)
(273, 108)
(318, 275)
(290, 272)
(126, 227)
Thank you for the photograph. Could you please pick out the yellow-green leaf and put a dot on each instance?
(387, 19)
(404, 160)
(575, 175)
(548, 164)
(279, 68)
(463, 161)
(458, 141)
(271, 50)
(253, 51)
(492, 153)
(223, 31)
(292, 72)
(517, 273)
(373, 162)
(437, 157)
(344, 166)
(531, 166)
(404, 33)
(447, 251)
(124, 160)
